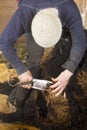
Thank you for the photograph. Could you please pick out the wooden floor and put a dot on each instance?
(7, 8)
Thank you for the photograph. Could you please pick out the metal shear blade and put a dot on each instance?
(41, 84)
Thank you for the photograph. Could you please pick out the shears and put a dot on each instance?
(39, 84)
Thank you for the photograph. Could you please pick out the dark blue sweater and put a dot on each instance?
(20, 23)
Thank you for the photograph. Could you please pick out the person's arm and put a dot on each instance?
(77, 51)
(78, 46)
(13, 30)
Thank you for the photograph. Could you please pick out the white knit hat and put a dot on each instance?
(46, 27)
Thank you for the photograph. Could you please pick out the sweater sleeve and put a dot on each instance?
(13, 30)
(78, 45)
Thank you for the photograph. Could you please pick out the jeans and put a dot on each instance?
(19, 95)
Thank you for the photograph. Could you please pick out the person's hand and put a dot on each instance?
(60, 83)
(24, 77)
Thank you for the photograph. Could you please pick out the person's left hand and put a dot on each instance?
(60, 83)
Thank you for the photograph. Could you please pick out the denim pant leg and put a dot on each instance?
(19, 95)
(35, 53)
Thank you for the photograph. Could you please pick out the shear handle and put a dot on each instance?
(25, 83)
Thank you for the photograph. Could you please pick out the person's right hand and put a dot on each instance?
(24, 77)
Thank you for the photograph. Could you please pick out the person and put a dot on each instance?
(20, 23)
